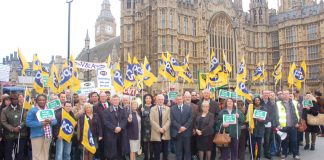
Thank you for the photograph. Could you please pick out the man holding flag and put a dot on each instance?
(63, 131)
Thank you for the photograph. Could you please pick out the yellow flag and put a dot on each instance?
(87, 138)
(137, 69)
(67, 126)
(24, 64)
(36, 62)
(202, 80)
(38, 79)
(149, 77)
(241, 74)
(215, 67)
(109, 63)
(129, 75)
(277, 72)
(186, 74)
(228, 66)
(53, 80)
(291, 74)
(249, 118)
(27, 102)
(118, 82)
(66, 77)
(241, 90)
(161, 68)
(300, 72)
(169, 72)
(75, 85)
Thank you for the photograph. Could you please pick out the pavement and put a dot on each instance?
(318, 154)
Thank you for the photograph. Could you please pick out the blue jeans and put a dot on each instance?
(292, 138)
(63, 150)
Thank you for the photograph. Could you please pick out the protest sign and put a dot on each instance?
(259, 114)
(229, 119)
(42, 115)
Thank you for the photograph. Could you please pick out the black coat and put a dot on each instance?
(58, 116)
(132, 127)
(213, 108)
(205, 125)
(313, 111)
(99, 110)
(112, 120)
(145, 123)
(179, 119)
(95, 126)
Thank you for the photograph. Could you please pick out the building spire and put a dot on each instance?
(87, 41)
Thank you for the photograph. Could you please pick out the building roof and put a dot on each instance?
(100, 52)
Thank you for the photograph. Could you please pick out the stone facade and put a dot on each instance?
(196, 27)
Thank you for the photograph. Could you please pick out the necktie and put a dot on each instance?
(160, 116)
(180, 107)
(105, 106)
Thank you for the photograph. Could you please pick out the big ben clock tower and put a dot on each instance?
(105, 24)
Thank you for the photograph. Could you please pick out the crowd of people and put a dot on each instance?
(155, 126)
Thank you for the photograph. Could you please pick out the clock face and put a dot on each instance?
(109, 29)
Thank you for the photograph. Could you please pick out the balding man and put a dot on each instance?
(213, 108)
(99, 109)
(287, 118)
(160, 128)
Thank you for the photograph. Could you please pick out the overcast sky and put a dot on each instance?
(40, 26)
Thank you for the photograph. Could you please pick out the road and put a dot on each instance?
(318, 154)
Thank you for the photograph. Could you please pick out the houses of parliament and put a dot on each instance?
(196, 27)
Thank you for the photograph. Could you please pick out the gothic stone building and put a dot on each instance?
(196, 27)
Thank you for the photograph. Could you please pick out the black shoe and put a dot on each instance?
(306, 147)
(312, 147)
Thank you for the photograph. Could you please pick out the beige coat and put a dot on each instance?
(166, 121)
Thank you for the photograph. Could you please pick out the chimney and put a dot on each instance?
(7, 58)
(15, 55)
(4, 60)
(11, 57)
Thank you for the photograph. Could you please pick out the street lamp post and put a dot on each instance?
(88, 78)
(69, 25)
(235, 26)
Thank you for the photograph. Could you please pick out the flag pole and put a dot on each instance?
(21, 115)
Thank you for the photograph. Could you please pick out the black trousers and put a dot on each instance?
(11, 144)
(159, 147)
(183, 147)
(148, 150)
(267, 142)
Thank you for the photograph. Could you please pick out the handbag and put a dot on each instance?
(222, 139)
(302, 126)
(315, 120)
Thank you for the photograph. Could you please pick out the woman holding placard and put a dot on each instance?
(40, 131)
(258, 132)
(313, 109)
(203, 127)
(227, 119)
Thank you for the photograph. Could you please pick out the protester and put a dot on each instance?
(181, 128)
(269, 107)
(93, 98)
(204, 129)
(244, 132)
(230, 152)
(146, 126)
(126, 103)
(14, 128)
(95, 127)
(160, 128)
(134, 130)
(40, 132)
(116, 143)
(5, 103)
(78, 108)
(310, 130)
(194, 98)
(63, 148)
(62, 97)
(287, 121)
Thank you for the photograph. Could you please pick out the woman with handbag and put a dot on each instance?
(258, 131)
(230, 151)
(310, 130)
(204, 130)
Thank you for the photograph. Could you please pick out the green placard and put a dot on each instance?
(259, 114)
(307, 103)
(55, 104)
(224, 94)
(45, 114)
(172, 95)
(235, 96)
(229, 118)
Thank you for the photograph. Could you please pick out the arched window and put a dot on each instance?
(221, 37)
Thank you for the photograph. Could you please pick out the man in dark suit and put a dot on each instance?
(213, 108)
(181, 128)
(99, 109)
(116, 143)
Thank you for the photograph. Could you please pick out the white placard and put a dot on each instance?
(4, 72)
(90, 65)
(104, 79)
(87, 87)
